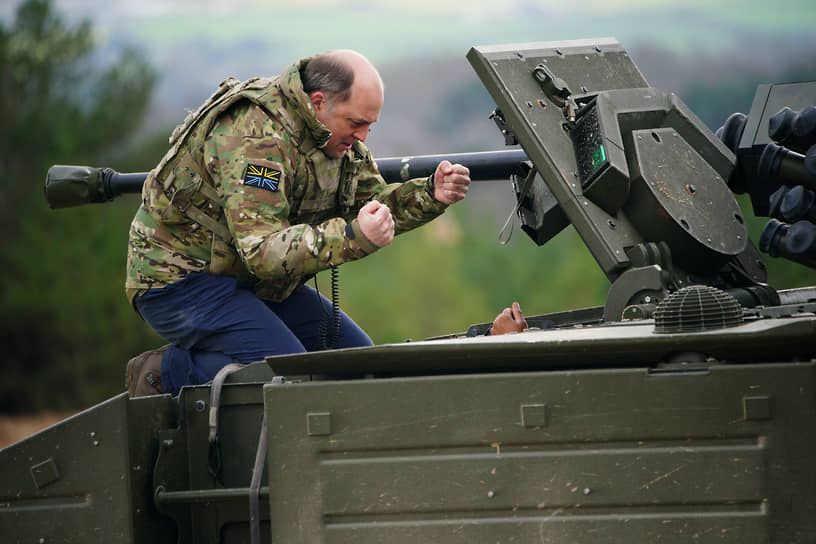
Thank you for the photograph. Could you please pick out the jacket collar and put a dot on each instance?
(292, 88)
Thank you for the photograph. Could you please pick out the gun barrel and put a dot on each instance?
(483, 166)
(128, 183)
(67, 186)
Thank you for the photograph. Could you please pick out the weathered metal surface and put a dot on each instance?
(618, 455)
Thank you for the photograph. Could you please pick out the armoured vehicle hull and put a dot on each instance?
(676, 412)
(600, 433)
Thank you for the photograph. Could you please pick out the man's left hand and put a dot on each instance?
(451, 182)
(510, 320)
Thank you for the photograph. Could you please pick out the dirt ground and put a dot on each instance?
(14, 428)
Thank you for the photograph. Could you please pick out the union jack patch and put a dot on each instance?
(262, 177)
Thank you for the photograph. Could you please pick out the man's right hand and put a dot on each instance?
(376, 223)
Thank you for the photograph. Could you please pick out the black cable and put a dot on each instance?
(328, 339)
(335, 300)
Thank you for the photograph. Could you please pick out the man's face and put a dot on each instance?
(348, 121)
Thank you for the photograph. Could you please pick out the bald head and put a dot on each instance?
(337, 73)
(347, 94)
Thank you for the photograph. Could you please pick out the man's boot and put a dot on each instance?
(143, 373)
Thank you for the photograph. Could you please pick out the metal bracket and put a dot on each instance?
(552, 85)
(642, 285)
(504, 128)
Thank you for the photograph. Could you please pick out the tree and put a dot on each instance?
(62, 307)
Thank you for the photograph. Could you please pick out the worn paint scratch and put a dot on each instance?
(662, 477)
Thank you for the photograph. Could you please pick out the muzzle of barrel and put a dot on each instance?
(71, 186)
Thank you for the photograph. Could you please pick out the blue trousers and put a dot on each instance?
(212, 321)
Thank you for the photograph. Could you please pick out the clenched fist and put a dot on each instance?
(376, 223)
(451, 182)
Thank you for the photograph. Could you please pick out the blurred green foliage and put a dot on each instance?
(64, 321)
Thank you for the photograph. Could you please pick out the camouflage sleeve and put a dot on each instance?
(251, 161)
(412, 202)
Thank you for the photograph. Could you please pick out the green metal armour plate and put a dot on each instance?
(588, 65)
(581, 108)
(626, 455)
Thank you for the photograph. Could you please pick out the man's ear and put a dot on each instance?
(318, 100)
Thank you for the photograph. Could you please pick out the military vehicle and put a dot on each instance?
(677, 412)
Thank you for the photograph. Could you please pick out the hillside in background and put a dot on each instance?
(434, 101)
(687, 46)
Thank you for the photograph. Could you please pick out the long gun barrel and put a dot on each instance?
(70, 186)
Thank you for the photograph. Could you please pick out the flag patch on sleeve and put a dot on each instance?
(262, 177)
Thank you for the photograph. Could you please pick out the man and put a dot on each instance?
(265, 185)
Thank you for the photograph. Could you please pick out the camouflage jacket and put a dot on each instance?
(246, 191)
